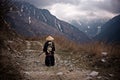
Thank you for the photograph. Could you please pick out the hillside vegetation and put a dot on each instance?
(98, 56)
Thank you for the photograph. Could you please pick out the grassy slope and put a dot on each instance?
(89, 56)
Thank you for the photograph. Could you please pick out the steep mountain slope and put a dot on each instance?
(31, 21)
(110, 31)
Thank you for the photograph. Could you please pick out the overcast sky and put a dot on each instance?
(68, 10)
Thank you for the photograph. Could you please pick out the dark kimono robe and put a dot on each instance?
(49, 59)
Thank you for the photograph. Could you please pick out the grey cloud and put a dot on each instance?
(41, 3)
(69, 1)
(108, 5)
(74, 9)
(115, 6)
(112, 6)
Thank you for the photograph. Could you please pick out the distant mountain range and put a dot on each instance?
(90, 27)
(30, 21)
(110, 31)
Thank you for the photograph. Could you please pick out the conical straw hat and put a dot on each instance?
(49, 38)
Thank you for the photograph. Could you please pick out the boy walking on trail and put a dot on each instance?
(49, 49)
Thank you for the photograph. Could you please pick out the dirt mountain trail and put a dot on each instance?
(32, 64)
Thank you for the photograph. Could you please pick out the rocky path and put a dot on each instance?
(32, 64)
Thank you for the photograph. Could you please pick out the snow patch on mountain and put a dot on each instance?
(99, 29)
(57, 24)
(22, 7)
(88, 27)
(29, 20)
(44, 18)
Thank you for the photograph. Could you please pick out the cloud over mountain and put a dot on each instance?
(80, 9)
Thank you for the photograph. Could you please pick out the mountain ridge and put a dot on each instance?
(31, 21)
(110, 31)
(90, 27)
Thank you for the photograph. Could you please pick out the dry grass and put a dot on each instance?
(94, 56)
(87, 55)
(65, 44)
(96, 48)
